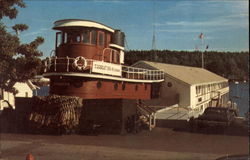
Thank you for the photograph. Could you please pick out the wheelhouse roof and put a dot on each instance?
(60, 24)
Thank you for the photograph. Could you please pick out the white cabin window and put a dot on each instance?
(86, 37)
(93, 37)
(101, 39)
(58, 39)
(121, 57)
(65, 35)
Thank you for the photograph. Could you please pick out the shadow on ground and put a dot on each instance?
(184, 126)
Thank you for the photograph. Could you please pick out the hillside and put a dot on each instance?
(231, 65)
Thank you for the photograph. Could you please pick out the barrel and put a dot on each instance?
(118, 38)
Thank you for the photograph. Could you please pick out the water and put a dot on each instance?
(239, 93)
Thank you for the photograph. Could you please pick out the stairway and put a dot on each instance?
(146, 115)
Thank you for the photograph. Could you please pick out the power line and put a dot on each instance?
(126, 44)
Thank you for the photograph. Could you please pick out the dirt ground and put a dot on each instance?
(159, 144)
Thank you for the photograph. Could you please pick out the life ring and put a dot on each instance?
(80, 63)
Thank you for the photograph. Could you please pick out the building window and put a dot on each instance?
(198, 90)
(201, 108)
(26, 94)
(199, 99)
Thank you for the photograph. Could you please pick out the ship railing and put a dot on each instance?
(65, 64)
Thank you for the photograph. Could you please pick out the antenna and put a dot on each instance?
(154, 55)
(153, 40)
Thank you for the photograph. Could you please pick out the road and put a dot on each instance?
(159, 144)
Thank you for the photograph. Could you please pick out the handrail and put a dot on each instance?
(145, 107)
(127, 71)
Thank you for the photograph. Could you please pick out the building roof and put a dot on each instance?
(187, 74)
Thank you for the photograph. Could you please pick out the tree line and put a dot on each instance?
(231, 65)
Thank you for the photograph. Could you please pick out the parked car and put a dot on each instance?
(214, 118)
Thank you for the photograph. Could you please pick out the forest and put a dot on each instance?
(231, 65)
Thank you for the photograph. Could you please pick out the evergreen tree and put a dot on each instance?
(225, 64)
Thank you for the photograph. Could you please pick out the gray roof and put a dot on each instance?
(187, 74)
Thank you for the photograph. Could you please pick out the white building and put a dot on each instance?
(24, 90)
(195, 88)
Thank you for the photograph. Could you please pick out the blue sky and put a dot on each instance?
(177, 23)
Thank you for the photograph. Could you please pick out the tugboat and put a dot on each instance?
(88, 62)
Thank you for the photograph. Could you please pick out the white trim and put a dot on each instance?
(80, 23)
(100, 76)
(116, 46)
(207, 83)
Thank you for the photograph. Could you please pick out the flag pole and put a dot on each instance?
(201, 36)
(202, 54)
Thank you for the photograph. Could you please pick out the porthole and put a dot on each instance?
(116, 86)
(123, 86)
(77, 84)
(136, 87)
(99, 84)
(169, 84)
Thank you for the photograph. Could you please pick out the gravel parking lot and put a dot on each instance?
(159, 144)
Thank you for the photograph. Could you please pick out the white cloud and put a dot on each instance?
(182, 30)
(230, 20)
(210, 14)
(42, 30)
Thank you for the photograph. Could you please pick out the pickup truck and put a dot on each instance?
(217, 118)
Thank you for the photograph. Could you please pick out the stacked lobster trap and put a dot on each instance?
(55, 114)
(52, 114)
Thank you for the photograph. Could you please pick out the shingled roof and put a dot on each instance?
(187, 74)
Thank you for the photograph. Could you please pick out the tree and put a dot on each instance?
(18, 62)
(222, 63)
